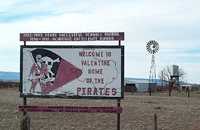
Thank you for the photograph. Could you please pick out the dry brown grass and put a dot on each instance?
(174, 113)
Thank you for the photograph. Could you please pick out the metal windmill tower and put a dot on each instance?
(152, 47)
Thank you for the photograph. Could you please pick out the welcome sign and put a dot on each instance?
(72, 71)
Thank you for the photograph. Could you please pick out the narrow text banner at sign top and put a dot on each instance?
(85, 36)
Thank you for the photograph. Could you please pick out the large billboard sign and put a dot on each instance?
(72, 71)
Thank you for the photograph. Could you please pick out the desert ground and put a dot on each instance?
(177, 112)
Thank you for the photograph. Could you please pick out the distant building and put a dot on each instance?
(142, 85)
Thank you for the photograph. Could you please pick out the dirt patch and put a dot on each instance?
(174, 113)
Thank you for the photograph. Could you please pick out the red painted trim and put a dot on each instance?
(70, 109)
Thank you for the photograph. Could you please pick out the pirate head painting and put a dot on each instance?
(38, 60)
(49, 71)
(48, 62)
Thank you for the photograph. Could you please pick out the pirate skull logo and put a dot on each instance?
(49, 62)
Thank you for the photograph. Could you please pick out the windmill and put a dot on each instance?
(152, 47)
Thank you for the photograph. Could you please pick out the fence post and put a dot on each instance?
(188, 91)
(25, 122)
(155, 122)
(118, 115)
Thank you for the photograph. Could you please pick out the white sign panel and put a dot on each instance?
(72, 71)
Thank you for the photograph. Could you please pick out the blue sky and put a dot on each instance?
(173, 23)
